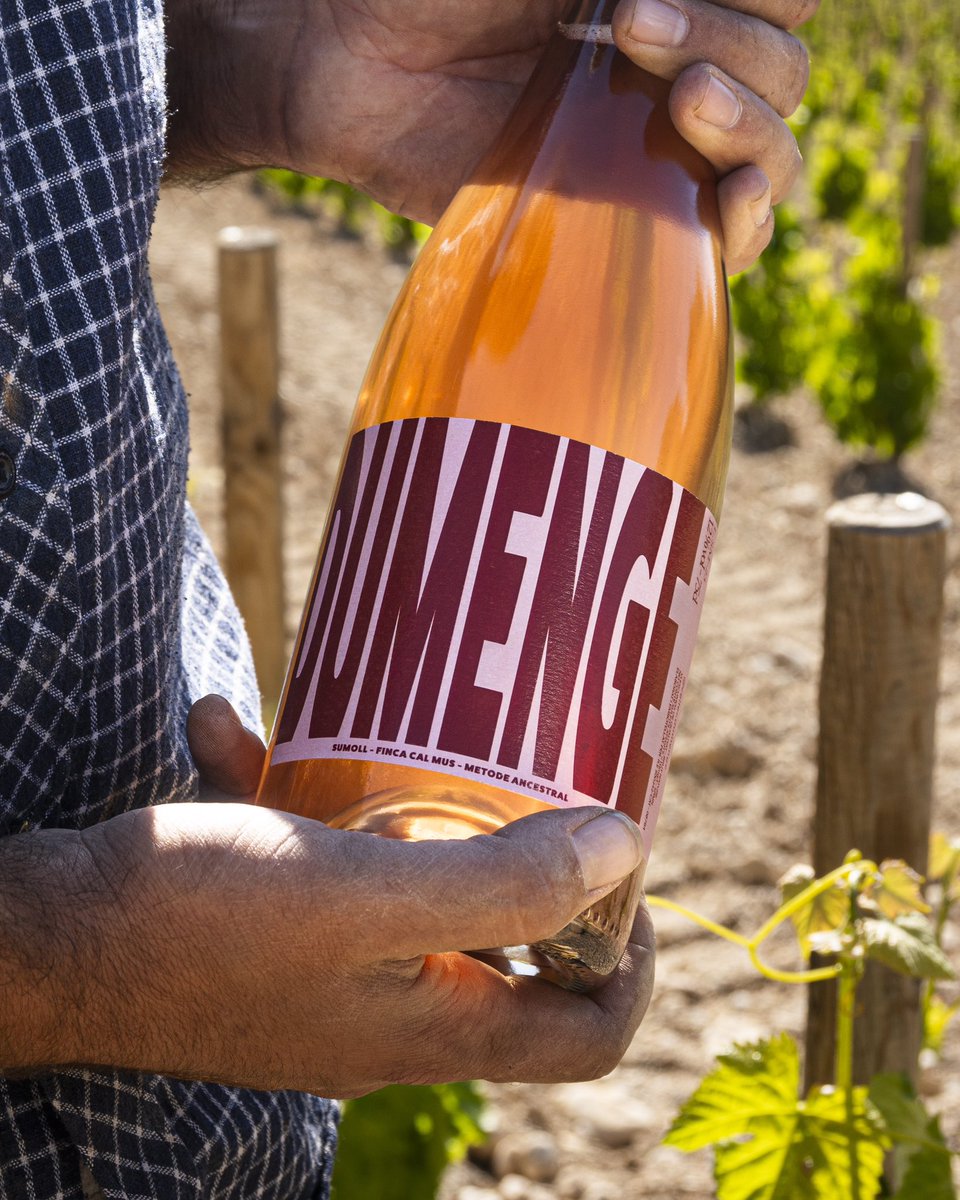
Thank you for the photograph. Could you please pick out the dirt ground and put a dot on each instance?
(738, 806)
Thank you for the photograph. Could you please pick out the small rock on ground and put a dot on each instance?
(532, 1154)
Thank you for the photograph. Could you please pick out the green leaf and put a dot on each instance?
(830, 941)
(796, 880)
(929, 1176)
(903, 1113)
(907, 945)
(922, 1157)
(792, 1149)
(937, 1015)
(395, 1144)
(897, 891)
(823, 914)
(752, 1084)
(814, 1157)
(944, 857)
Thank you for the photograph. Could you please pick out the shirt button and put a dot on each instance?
(8, 475)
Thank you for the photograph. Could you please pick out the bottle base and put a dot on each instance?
(580, 956)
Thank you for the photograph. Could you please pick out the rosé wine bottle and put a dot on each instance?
(505, 603)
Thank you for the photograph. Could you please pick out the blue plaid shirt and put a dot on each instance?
(113, 613)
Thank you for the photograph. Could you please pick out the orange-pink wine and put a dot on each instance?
(505, 603)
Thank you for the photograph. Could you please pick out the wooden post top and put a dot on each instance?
(247, 237)
(890, 513)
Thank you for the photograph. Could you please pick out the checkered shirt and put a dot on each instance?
(113, 613)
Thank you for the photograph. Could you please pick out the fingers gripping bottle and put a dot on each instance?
(504, 607)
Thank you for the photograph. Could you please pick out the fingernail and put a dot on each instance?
(720, 106)
(608, 847)
(761, 207)
(658, 24)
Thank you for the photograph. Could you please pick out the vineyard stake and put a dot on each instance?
(916, 185)
(251, 419)
(886, 566)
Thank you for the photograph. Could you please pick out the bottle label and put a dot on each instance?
(502, 605)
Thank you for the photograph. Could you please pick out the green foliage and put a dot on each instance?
(840, 169)
(396, 1143)
(824, 913)
(941, 209)
(907, 945)
(944, 867)
(875, 371)
(779, 307)
(921, 1156)
(831, 304)
(771, 1145)
(352, 210)
(937, 1017)
(944, 873)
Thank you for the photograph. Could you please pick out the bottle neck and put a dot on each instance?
(590, 21)
(594, 126)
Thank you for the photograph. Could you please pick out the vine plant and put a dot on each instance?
(839, 1142)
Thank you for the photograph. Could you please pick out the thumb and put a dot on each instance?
(519, 885)
(228, 756)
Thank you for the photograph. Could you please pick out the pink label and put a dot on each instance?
(506, 605)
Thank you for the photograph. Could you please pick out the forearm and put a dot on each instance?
(95, 965)
(128, 945)
(49, 947)
(228, 67)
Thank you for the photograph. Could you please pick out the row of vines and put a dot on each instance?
(839, 303)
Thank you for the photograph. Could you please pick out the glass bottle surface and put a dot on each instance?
(575, 287)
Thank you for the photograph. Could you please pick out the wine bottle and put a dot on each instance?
(504, 607)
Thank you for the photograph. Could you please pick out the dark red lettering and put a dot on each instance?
(417, 617)
(338, 527)
(684, 553)
(335, 686)
(560, 612)
(470, 720)
(598, 747)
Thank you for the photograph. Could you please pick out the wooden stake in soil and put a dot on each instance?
(878, 694)
(913, 199)
(249, 371)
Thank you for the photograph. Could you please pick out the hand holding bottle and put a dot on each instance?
(309, 996)
(221, 942)
(403, 97)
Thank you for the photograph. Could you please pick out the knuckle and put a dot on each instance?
(796, 166)
(745, 252)
(598, 1050)
(764, 237)
(537, 897)
(796, 75)
(603, 1057)
(547, 904)
(789, 173)
(693, 78)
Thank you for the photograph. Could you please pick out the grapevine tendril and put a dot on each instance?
(784, 913)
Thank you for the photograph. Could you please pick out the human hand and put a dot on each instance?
(239, 944)
(402, 97)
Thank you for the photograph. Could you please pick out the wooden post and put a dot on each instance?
(878, 693)
(249, 370)
(915, 185)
